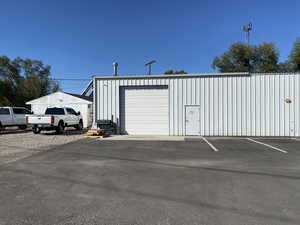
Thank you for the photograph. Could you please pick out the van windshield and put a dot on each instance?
(4, 111)
(55, 111)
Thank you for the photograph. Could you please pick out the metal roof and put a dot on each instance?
(88, 98)
(171, 75)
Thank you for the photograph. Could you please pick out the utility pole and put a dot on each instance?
(149, 64)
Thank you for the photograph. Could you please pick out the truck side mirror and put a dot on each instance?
(78, 113)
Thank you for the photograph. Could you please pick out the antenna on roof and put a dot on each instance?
(149, 64)
(247, 28)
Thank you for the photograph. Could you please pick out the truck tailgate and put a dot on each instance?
(36, 119)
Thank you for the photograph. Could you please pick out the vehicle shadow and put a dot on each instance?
(67, 132)
(5, 132)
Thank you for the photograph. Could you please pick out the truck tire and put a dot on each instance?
(22, 127)
(60, 128)
(36, 130)
(1, 127)
(79, 126)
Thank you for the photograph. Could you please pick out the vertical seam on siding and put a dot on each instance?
(274, 106)
(260, 105)
(265, 105)
(111, 102)
(182, 109)
(177, 107)
(284, 106)
(227, 110)
(223, 105)
(289, 106)
(173, 107)
(213, 106)
(208, 93)
(106, 100)
(255, 106)
(232, 106)
(204, 110)
(279, 106)
(242, 90)
(294, 108)
(269, 106)
(251, 107)
(220, 106)
(169, 107)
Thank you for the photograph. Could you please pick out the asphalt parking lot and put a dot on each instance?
(212, 181)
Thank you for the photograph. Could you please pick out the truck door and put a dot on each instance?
(6, 117)
(18, 116)
(72, 117)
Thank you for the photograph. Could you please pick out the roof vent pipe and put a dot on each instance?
(115, 66)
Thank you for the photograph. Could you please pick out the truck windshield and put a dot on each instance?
(55, 111)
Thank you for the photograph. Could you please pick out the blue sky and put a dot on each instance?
(80, 38)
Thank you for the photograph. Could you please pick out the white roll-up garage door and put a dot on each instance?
(144, 110)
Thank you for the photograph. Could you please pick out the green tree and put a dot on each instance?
(247, 58)
(22, 80)
(239, 58)
(266, 58)
(294, 58)
(285, 67)
(170, 72)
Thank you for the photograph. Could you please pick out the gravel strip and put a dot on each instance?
(15, 145)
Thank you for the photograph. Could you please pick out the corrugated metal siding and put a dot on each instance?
(246, 105)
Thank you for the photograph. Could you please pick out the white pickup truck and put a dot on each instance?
(55, 119)
(13, 116)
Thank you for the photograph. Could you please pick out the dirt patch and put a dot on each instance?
(16, 144)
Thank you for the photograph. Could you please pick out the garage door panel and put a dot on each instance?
(145, 110)
(156, 114)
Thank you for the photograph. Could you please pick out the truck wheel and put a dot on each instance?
(60, 128)
(1, 127)
(36, 130)
(79, 126)
(23, 127)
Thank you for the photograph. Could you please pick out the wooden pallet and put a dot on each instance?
(96, 133)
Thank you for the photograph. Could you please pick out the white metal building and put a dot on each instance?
(224, 104)
(83, 104)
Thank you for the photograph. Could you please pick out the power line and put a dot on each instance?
(71, 79)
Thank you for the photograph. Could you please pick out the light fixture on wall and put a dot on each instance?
(288, 100)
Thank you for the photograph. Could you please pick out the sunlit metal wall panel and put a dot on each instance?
(237, 105)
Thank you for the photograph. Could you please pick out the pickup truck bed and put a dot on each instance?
(39, 119)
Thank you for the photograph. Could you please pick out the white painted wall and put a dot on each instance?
(60, 99)
(230, 104)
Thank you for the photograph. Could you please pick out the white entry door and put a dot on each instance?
(192, 120)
